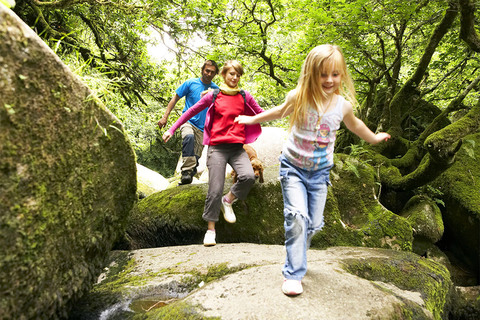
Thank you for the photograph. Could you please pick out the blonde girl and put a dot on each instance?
(323, 98)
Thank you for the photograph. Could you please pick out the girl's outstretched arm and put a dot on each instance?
(203, 103)
(278, 112)
(166, 136)
(272, 114)
(358, 127)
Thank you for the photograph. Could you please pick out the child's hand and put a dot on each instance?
(244, 120)
(381, 136)
(166, 136)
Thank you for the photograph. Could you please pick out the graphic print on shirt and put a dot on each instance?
(310, 145)
(321, 144)
(303, 141)
(313, 139)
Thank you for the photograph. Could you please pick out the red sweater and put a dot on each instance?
(251, 108)
(224, 130)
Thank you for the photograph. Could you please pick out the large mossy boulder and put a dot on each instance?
(353, 215)
(174, 217)
(67, 179)
(459, 188)
(425, 217)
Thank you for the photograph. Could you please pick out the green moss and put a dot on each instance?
(466, 304)
(408, 271)
(425, 217)
(214, 272)
(174, 217)
(67, 186)
(335, 232)
(170, 217)
(406, 310)
(174, 311)
(119, 275)
(144, 189)
(172, 202)
(181, 310)
(353, 215)
(122, 283)
(459, 187)
(259, 217)
(462, 179)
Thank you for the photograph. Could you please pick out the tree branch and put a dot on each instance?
(407, 95)
(467, 26)
(62, 4)
(447, 74)
(418, 147)
(433, 43)
(442, 144)
(263, 27)
(427, 171)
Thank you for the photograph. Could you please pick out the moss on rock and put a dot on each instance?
(353, 215)
(68, 179)
(174, 217)
(425, 217)
(175, 311)
(431, 278)
(122, 292)
(465, 304)
(170, 217)
(459, 186)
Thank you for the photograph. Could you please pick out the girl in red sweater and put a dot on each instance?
(225, 139)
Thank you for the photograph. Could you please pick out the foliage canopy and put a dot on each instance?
(415, 64)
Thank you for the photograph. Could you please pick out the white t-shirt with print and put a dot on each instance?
(311, 146)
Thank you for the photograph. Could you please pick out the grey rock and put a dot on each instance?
(334, 287)
(425, 217)
(149, 181)
(67, 178)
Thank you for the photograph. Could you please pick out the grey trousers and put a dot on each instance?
(217, 158)
(192, 146)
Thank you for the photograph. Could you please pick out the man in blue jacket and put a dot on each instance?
(192, 131)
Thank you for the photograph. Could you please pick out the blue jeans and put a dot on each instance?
(304, 196)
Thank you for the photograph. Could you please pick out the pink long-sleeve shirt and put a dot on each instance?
(252, 132)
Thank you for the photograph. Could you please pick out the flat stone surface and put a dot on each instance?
(255, 292)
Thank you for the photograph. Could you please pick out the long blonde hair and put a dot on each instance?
(309, 93)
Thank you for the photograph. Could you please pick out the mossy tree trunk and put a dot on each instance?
(408, 163)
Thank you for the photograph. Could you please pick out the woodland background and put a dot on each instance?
(409, 59)
(415, 66)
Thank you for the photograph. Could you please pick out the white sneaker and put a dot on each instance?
(209, 239)
(292, 287)
(227, 210)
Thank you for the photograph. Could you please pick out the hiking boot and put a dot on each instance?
(292, 287)
(209, 239)
(227, 210)
(186, 177)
